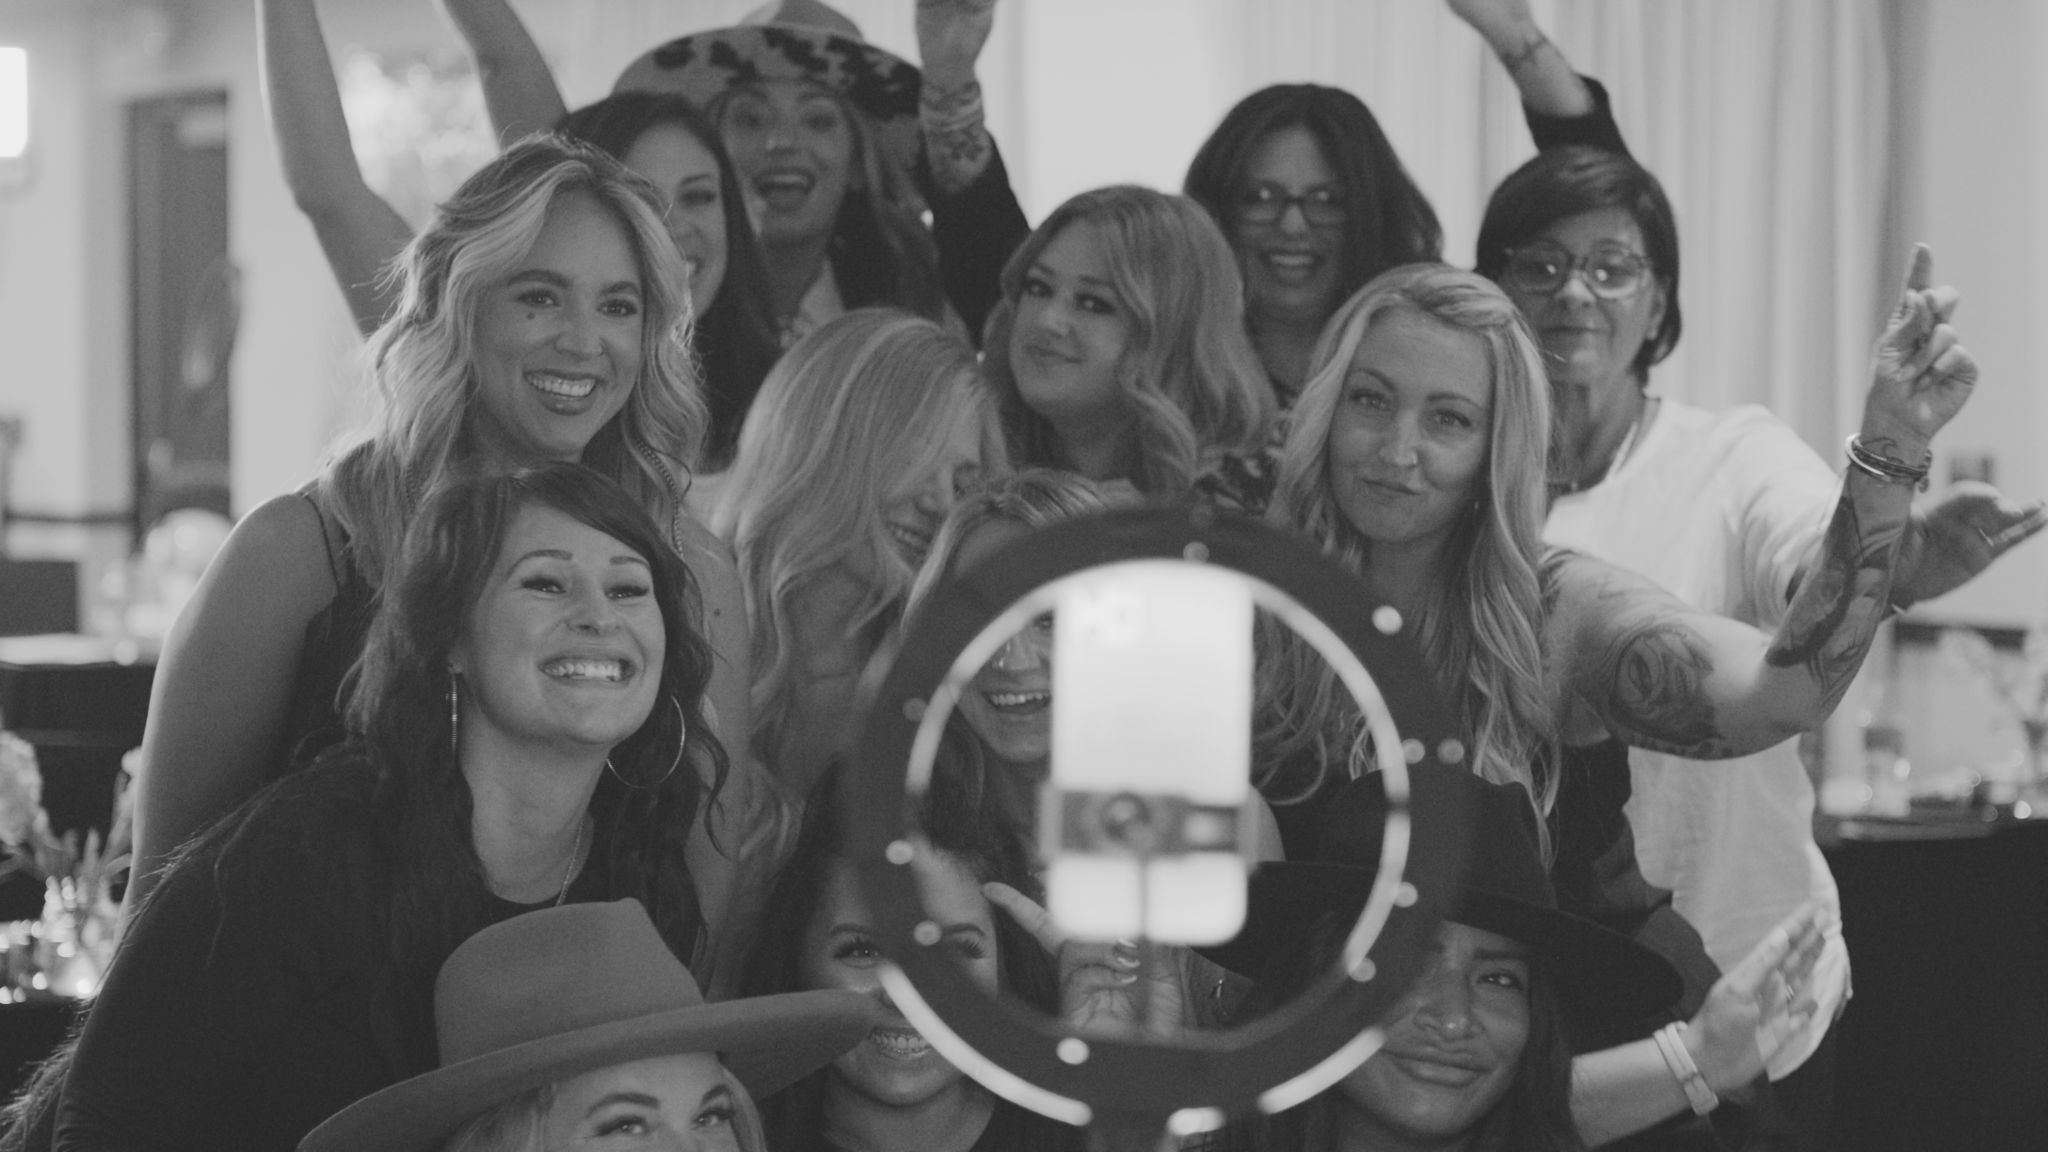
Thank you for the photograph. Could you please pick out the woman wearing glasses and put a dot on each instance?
(1316, 203)
(1729, 510)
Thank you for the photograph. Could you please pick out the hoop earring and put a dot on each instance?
(682, 740)
(454, 716)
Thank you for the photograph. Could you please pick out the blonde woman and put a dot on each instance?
(1417, 458)
(1119, 350)
(859, 442)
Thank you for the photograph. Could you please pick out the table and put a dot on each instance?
(1945, 1043)
(82, 701)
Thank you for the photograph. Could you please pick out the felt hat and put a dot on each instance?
(1505, 889)
(558, 992)
(791, 40)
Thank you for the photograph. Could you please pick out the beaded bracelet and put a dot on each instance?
(1885, 468)
(1679, 1061)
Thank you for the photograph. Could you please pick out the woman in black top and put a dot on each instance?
(527, 729)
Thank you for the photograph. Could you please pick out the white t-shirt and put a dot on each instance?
(1721, 508)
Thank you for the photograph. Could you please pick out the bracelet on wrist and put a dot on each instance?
(1886, 469)
(1518, 59)
(1698, 1092)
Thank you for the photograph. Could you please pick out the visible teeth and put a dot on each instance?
(911, 538)
(902, 1045)
(1017, 699)
(562, 385)
(613, 670)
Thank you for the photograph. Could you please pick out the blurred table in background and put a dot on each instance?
(1945, 1043)
(81, 700)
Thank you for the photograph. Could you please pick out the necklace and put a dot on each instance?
(575, 854)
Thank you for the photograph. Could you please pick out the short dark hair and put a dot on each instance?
(1565, 182)
(735, 335)
(1388, 220)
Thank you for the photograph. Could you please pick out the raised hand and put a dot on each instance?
(1920, 372)
(1957, 535)
(950, 37)
(1112, 989)
(1491, 18)
(1761, 1003)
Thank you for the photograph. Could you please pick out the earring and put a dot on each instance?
(682, 740)
(454, 716)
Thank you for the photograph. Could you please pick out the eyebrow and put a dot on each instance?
(559, 554)
(1039, 266)
(554, 279)
(1383, 378)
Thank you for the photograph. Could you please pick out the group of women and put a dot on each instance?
(476, 765)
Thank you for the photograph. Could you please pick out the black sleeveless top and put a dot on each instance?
(334, 639)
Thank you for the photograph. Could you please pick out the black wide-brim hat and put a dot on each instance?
(1601, 974)
(791, 40)
(553, 994)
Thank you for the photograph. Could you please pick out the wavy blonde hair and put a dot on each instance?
(1189, 376)
(1481, 628)
(422, 359)
(844, 418)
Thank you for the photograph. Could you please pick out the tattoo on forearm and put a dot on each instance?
(956, 140)
(1653, 678)
(1832, 618)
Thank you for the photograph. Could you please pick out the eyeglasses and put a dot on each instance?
(1267, 203)
(1612, 272)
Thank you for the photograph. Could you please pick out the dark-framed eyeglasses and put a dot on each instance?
(1267, 203)
(1612, 272)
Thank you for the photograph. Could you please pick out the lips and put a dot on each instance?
(1440, 1069)
(1018, 702)
(783, 188)
(589, 669)
(899, 1043)
(1388, 487)
(915, 540)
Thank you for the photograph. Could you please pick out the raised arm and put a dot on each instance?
(1562, 107)
(519, 89)
(1664, 676)
(976, 220)
(358, 231)
(223, 686)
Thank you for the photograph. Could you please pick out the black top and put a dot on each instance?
(334, 638)
(254, 995)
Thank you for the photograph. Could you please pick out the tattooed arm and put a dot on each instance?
(1625, 654)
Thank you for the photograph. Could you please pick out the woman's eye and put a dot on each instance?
(536, 298)
(856, 948)
(697, 198)
(716, 1116)
(1505, 978)
(623, 1126)
(541, 584)
(1454, 420)
(1097, 304)
(822, 120)
(1033, 286)
(1370, 398)
(970, 949)
(620, 307)
(629, 591)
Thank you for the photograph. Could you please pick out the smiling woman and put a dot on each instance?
(529, 732)
(542, 316)
(863, 436)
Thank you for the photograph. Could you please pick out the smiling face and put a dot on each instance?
(558, 342)
(895, 1065)
(686, 173)
(1453, 1044)
(564, 647)
(1293, 268)
(1408, 440)
(913, 510)
(1590, 344)
(1071, 333)
(672, 1103)
(794, 147)
(1009, 701)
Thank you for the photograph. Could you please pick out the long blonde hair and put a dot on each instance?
(1481, 628)
(422, 360)
(844, 417)
(1192, 382)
